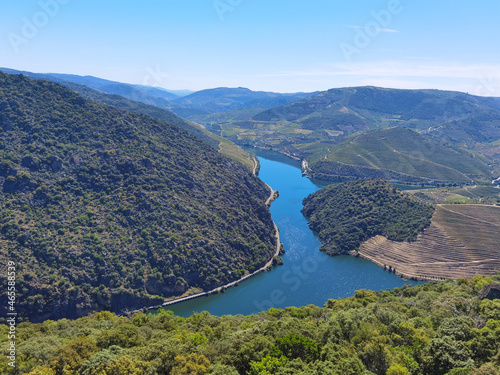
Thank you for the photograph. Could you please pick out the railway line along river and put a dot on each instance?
(308, 276)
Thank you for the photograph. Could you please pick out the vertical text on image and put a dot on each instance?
(11, 313)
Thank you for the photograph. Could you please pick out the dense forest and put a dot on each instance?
(346, 214)
(432, 329)
(103, 208)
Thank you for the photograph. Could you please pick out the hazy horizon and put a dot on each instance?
(280, 46)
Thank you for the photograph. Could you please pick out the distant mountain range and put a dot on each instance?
(312, 126)
(145, 94)
(356, 109)
(184, 103)
(225, 99)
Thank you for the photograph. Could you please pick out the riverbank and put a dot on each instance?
(308, 276)
(272, 196)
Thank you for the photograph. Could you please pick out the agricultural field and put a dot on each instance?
(462, 241)
(464, 194)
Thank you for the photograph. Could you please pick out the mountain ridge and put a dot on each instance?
(142, 93)
(223, 99)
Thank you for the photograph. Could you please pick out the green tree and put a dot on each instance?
(42, 370)
(444, 354)
(71, 356)
(267, 366)
(192, 364)
(220, 369)
(125, 336)
(397, 369)
(98, 361)
(126, 366)
(296, 346)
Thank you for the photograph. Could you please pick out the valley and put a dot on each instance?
(110, 204)
(333, 128)
(307, 276)
(258, 187)
(378, 149)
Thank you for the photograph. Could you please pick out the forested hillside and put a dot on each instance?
(400, 155)
(432, 329)
(223, 145)
(92, 89)
(346, 214)
(139, 107)
(103, 208)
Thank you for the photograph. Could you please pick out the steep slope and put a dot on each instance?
(400, 155)
(225, 146)
(105, 208)
(139, 107)
(154, 111)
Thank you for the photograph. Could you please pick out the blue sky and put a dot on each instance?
(272, 45)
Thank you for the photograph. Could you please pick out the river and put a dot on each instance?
(308, 276)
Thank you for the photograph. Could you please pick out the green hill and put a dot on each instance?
(400, 155)
(103, 208)
(436, 329)
(344, 215)
(154, 102)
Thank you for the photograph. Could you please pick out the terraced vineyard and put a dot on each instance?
(464, 194)
(462, 241)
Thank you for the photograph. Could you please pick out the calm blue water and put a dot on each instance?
(308, 275)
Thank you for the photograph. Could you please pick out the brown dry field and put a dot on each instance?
(462, 241)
